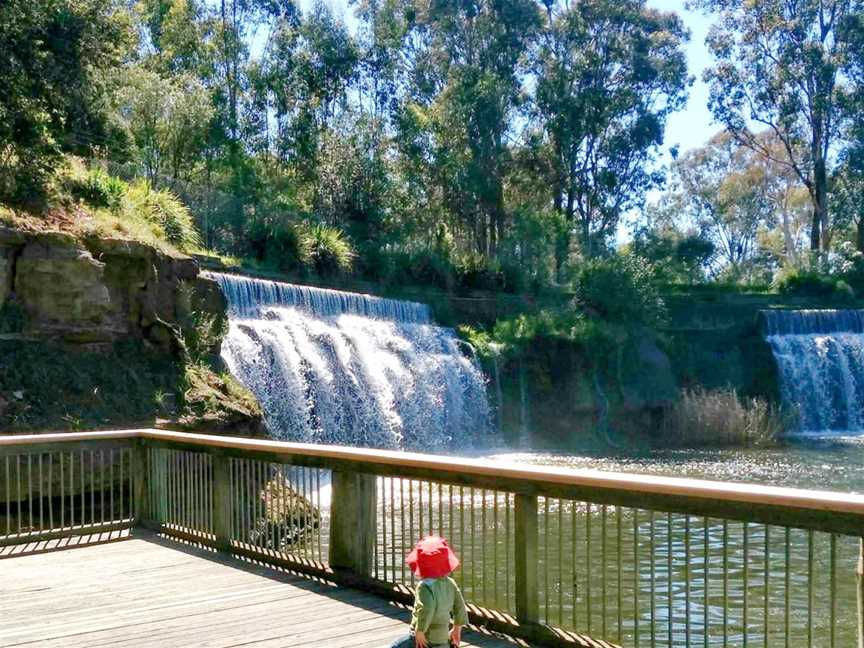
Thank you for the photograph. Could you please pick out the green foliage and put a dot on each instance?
(326, 250)
(165, 212)
(620, 289)
(95, 187)
(52, 56)
(811, 283)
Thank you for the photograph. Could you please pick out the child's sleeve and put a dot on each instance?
(424, 608)
(460, 612)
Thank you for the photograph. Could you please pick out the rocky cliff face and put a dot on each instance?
(110, 333)
(100, 291)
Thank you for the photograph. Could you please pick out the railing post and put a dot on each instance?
(140, 485)
(861, 593)
(353, 523)
(527, 537)
(223, 501)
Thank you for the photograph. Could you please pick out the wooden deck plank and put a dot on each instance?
(151, 592)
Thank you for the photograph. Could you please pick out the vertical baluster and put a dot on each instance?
(50, 492)
(604, 567)
(7, 488)
(102, 486)
(560, 562)
(507, 570)
(393, 559)
(746, 591)
(706, 568)
(62, 491)
(39, 488)
(83, 499)
(637, 617)
(462, 530)
(431, 517)
(573, 532)
(810, 588)
(403, 546)
(473, 544)
(440, 510)
(92, 487)
(687, 581)
(422, 530)
(787, 581)
(588, 565)
(483, 534)
(30, 493)
(71, 489)
(320, 532)
(767, 611)
(651, 584)
(725, 582)
(123, 455)
(111, 482)
(620, 585)
(832, 596)
(18, 484)
(381, 489)
(546, 534)
(412, 537)
(496, 567)
(670, 618)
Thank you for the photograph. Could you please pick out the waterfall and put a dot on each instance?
(820, 357)
(335, 367)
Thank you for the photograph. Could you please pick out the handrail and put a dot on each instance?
(261, 499)
(446, 466)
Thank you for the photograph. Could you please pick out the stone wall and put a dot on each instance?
(99, 291)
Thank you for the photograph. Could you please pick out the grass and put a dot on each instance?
(721, 417)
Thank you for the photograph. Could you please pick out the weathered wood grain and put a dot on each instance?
(148, 591)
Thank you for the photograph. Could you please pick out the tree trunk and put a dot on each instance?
(820, 206)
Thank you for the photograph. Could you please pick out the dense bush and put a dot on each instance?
(621, 289)
(327, 250)
(165, 212)
(95, 187)
(810, 283)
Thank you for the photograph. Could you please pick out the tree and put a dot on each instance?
(465, 60)
(53, 55)
(723, 189)
(168, 119)
(608, 75)
(780, 65)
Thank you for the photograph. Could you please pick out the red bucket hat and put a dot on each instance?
(432, 558)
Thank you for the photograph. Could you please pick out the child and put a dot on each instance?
(436, 598)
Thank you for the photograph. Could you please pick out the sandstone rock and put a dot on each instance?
(61, 288)
(5, 273)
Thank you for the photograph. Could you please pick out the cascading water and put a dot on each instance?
(820, 357)
(337, 367)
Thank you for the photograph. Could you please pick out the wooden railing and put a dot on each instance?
(546, 553)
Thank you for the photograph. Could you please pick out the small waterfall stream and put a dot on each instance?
(338, 367)
(820, 356)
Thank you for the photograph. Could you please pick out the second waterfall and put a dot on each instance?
(336, 367)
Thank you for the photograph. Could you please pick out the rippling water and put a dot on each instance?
(826, 463)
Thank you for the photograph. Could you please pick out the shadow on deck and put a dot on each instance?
(151, 591)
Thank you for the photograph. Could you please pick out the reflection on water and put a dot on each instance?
(826, 463)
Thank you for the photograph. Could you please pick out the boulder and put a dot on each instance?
(62, 290)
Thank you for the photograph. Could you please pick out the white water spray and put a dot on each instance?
(336, 367)
(820, 356)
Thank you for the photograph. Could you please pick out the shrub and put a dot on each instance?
(620, 289)
(809, 283)
(721, 418)
(327, 250)
(93, 187)
(164, 210)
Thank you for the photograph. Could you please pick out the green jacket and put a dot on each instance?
(435, 600)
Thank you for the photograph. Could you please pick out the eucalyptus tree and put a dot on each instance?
(723, 189)
(608, 74)
(782, 66)
(465, 68)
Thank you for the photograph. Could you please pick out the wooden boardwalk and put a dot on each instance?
(147, 591)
